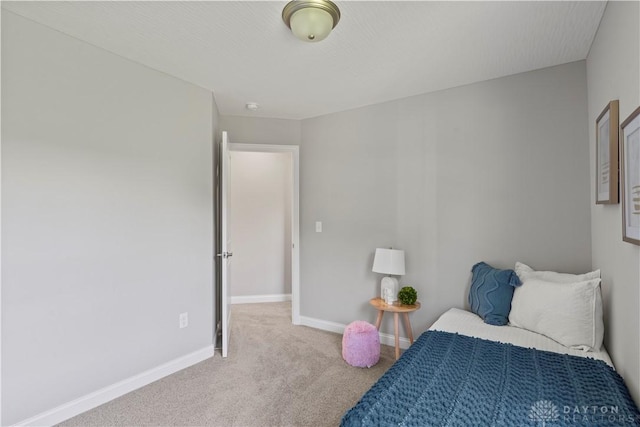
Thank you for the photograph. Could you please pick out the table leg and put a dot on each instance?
(395, 328)
(407, 325)
(379, 319)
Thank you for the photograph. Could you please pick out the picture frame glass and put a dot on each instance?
(604, 163)
(607, 179)
(631, 166)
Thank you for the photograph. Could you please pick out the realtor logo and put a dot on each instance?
(544, 411)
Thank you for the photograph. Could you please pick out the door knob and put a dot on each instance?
(225, 254)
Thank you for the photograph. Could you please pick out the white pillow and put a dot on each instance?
(571, 315)
(525, 272)
(564, 312)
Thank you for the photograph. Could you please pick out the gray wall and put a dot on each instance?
(106, 218)
(260, 223)
(255, 130)
(496, 171)
(613, 73)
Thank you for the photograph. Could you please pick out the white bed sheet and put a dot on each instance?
(467, 323)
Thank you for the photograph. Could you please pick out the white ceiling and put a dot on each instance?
(379, 51)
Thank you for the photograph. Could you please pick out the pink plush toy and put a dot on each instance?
(361, 344)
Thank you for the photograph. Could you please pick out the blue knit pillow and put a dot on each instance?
(491, 293)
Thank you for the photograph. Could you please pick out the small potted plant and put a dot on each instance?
(407, 295)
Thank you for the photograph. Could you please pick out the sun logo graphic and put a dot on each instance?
(544, 411)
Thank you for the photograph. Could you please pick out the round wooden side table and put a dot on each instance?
(395, 308)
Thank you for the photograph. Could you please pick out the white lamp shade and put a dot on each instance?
(389, 261)
(311, 24)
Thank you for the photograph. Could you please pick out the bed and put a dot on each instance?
(529, 352)
(465, 372)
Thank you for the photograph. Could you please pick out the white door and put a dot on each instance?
(226, 253)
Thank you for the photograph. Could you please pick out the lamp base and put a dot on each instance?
(389, 289)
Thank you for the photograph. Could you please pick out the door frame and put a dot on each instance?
(294, 150)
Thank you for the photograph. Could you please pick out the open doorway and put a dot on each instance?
(264, 222)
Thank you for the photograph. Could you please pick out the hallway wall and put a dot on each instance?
(260, 223)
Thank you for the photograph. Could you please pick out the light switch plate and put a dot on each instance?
(318, 226)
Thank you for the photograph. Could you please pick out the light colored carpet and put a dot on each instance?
(276, 374)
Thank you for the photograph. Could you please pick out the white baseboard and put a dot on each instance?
(338, 328)
(389, 339)
(252, 299)
(104, 395)
(324, 325)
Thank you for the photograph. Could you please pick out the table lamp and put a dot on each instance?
(390, 262)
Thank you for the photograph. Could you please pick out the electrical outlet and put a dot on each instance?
(184, 320)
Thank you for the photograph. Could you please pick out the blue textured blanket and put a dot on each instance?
(447, 379)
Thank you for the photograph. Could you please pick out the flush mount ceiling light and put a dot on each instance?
(311, 20)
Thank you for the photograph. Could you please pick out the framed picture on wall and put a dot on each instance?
(630, 172)
(607, 155)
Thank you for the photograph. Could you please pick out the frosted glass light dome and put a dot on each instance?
(311, 25)
(311, 20)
